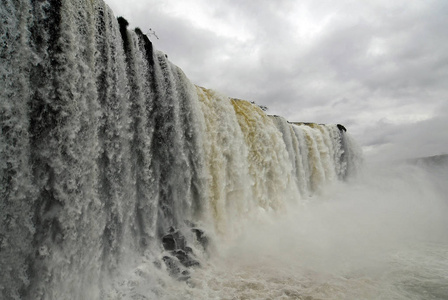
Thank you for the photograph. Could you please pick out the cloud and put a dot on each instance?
(379, 67)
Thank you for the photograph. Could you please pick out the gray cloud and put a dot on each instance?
(379, 67)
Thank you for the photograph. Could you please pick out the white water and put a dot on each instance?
(380, 236)
(106, 144)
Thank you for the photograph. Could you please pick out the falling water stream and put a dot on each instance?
(120, 179)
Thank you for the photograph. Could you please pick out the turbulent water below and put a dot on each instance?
(121, 179)
(381, 235)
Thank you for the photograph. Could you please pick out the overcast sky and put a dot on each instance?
(379, 67)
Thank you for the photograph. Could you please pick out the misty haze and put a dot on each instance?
(223, 150)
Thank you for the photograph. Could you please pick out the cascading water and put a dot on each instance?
(106, 145)
(119, 176)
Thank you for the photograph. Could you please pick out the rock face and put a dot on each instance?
(179, 256)
(341, 127)
(201, 237)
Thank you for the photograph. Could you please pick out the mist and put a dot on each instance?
(380, 234)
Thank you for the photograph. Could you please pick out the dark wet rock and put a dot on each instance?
(190, 223)
(185, 275)
(172, 265)
(177, 262)
(341, 127)
(201, 237)
(185, 259)
(168, 242)
(191, 263)
(180, 255)
(123, 31)
(173, 240)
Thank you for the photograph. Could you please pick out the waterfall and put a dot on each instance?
(106, 147)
